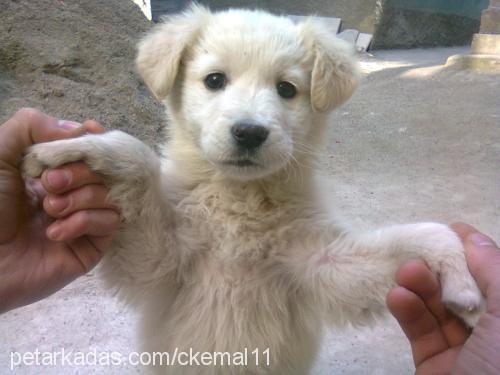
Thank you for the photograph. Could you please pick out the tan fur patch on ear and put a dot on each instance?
(160, 52)
(332, 83)
(319, 82)
(335, 71)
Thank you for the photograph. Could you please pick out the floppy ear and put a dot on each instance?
(335, 71)
(160, 52)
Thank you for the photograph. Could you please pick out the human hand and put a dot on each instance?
(440, 343)
(44, 248)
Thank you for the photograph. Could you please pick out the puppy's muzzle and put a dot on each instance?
(249, 136)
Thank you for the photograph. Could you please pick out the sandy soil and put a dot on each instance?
(75, 60)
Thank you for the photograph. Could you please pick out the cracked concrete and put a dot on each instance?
(416, 142)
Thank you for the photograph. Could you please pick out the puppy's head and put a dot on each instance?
(245, 88)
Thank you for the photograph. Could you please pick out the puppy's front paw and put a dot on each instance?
(128, 167)
(469, 304)
(32, 166)
(50, 155)
(460, 292)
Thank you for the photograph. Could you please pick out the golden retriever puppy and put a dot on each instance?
(226, 245)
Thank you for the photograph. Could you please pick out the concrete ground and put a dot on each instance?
(416, 142)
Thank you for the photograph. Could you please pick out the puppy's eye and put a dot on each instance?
(215, 81)
(286, 89)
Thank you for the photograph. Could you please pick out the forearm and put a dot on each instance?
(145, 250)
(348, 279)
(351, 276)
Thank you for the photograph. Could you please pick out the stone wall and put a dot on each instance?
(394, 23)
(422, 23)
(355, 14)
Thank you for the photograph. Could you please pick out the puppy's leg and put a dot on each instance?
(352, 275)
(128, 166)
(143, 249)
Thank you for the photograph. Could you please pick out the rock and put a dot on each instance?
(363, 42)
(406, 24)
(349, 35)
(485, 49)
(490, 20)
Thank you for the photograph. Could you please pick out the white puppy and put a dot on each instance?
(225, 244)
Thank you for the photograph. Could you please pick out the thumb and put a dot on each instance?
(483, 259)
(29, 126)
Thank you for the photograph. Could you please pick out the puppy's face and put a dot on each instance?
(244, 93)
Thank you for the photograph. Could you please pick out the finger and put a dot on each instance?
(483, 259)
(463, 229)
(418, 278)
(29, 126)
(99, 223)
(26, 127)
(85, 198)
(92, 126)
(418, 324)
(69, 177)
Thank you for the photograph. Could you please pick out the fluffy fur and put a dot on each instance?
(219, 257)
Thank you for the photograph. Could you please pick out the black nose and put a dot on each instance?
(249, 135)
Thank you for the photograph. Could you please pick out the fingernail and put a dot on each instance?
(480, 240)
(54, 232)
(68, 125)
(58, 203)
(58, 178)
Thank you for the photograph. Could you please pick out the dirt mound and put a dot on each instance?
(75, 60)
